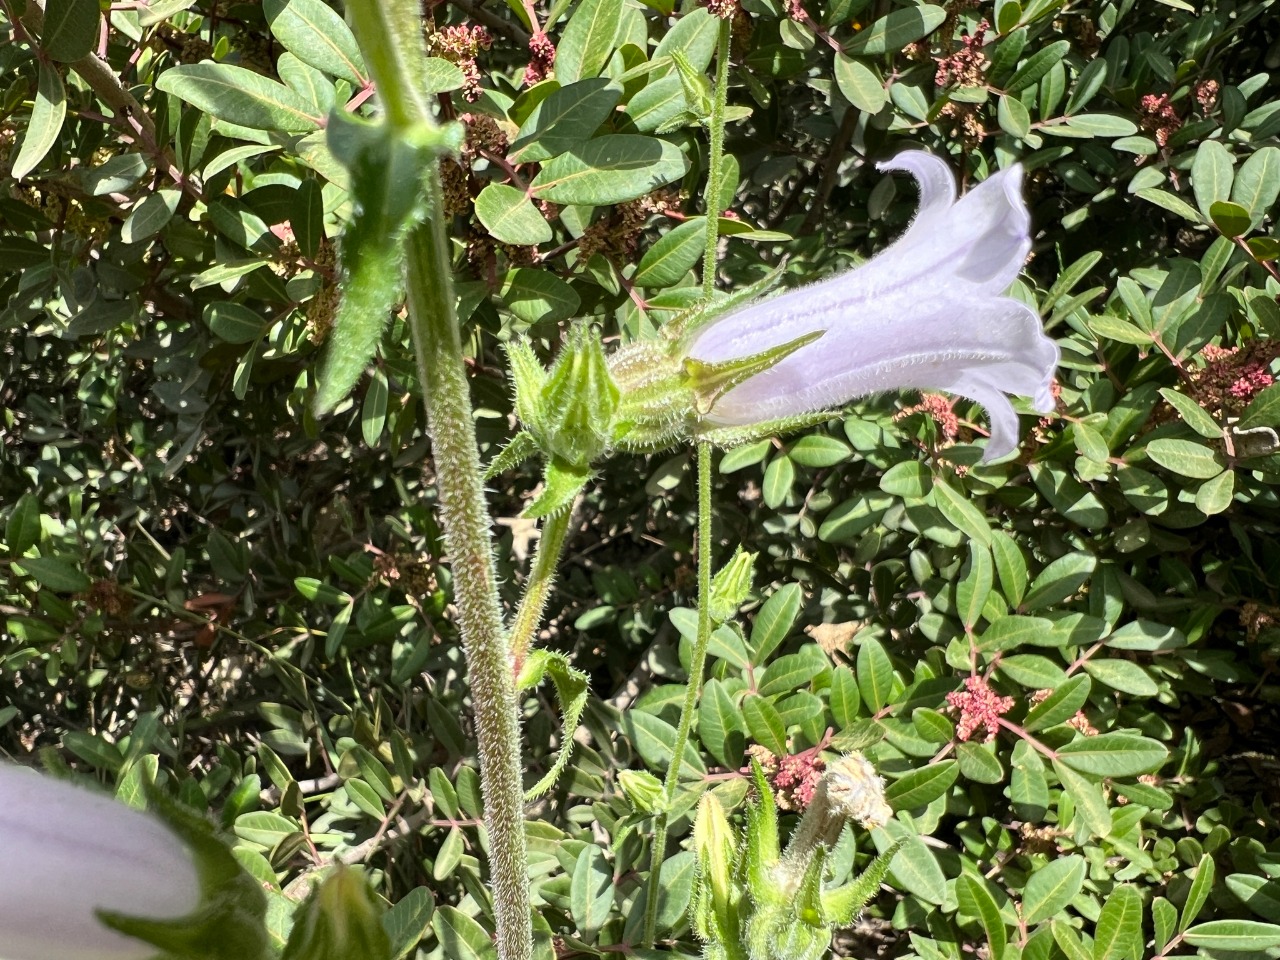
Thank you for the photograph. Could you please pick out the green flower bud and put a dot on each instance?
(341, 920)
(643, 790)
(716, 848)
(730, 585)
(578, 402)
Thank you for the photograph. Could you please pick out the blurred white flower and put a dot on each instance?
(927, 313)
(66, 853)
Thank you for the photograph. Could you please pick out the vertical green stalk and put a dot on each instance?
(542, 573)
(698, 662)
(715, 175)
(697, 665)
(390, 36)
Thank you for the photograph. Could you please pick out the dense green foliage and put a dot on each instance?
(208, 585)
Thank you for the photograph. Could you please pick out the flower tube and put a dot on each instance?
(927, 313)
(66, 854)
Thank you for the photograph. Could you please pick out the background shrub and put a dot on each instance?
(207, 586)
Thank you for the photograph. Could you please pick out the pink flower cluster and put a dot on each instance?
(461, 44)
(542, 56)
(797, 779)
(979, 706)
(1159, 117)
(1231, 372)
(965, 66)
(939, 408)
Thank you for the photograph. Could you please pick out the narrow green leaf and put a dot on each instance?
(461, 937)
(764, 724)
(588, 40)
(1051, 888)
(677, 251)
(1198, 895)
(70, 28)
(973, 898)
(1212, 173)
(891, 33)
(55, 574)
(610, 169)
(1257, 184)
(860, 84)
(1185, 457)
(47, 116)
(1119, 925)
(408, 921)
(241, 96)
(314, 33)
(567, 118)
(1113, 754)
(591, 892)
(233, 322)
(774, 621)
(1061, 705)
(22, 529)
(1239, 936)
(875, 674)
(922, 786)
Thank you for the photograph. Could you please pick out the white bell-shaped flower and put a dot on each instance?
(65, 854)
(927, 313)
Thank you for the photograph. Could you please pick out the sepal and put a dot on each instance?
(520, 449)
(711, 381)
(562, 482)
(762, 841)
(844, 903)
(229, 923)
(340, 920)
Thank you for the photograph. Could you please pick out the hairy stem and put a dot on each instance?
(542, 574)
(693, 690)
(390, 37)
(715, 173)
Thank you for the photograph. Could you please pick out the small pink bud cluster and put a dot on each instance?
(797, 779)
(938, 408)
(1232, 376)
(1207, 95)
(965, 66)
(726, 9)
(542, 56)
(460, 44)
(979, 706)
(1159, 117)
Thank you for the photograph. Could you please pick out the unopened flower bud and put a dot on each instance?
(341, 920)
(730, 585)
(643, 790)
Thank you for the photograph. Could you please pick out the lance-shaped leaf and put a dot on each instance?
(389, 184)
(841, 905)
(571, 690)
